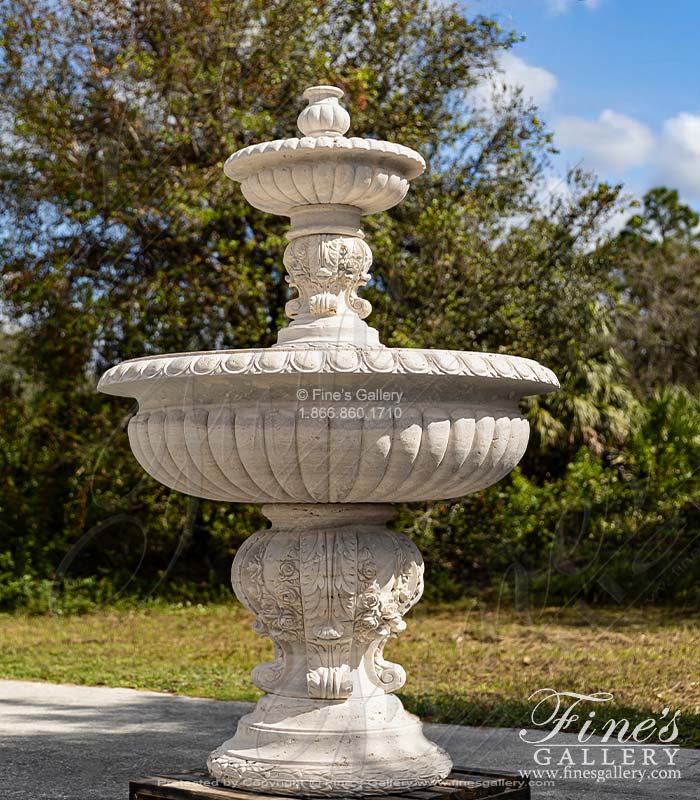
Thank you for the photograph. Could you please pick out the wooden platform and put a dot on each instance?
(461, 784)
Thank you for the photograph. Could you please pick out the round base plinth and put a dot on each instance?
(341, 330)
(351, 748)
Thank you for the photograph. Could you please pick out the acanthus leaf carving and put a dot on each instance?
(327, 270)
(329, 682)
(329, 597)
(328, 587)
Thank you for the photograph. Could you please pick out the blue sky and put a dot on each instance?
(617, 80)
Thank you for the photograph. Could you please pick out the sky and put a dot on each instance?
(618, 81)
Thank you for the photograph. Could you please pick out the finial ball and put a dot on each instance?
(324, 116)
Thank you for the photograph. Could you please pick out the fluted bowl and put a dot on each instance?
(328, 426)
(369, 174)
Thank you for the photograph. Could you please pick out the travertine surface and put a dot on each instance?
(326, 428)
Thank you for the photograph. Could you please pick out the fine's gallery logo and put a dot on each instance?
(600, 746)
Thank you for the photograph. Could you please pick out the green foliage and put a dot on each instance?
(621, 527)
(658, 257)
(663, 219)
(120, 238)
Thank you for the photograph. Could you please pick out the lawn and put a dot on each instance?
(465, 664)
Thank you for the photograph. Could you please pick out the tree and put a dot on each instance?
(123, 238)
(658, 253)
(663, 219)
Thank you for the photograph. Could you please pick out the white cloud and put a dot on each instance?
(678, 162)
(613, 141)
(562, 6)
(553, 190)
(537, 83)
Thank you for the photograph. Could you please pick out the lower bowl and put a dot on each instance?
(325, 426)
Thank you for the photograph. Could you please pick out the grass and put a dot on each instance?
(465, 664)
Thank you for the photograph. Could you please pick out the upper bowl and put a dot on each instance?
(367, 174)
(323, 167)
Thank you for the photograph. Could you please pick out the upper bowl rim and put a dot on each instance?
(278, 152)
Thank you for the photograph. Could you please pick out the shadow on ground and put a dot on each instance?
(89, 750)
(85, 743)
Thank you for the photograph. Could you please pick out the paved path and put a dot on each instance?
(84, 743)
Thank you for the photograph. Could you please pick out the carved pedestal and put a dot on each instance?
(329, 584)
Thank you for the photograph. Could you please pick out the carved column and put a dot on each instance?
(329, 585)
(327, 270)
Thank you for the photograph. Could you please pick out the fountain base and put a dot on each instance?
(461, 784)
(329, 583)
(351, 748)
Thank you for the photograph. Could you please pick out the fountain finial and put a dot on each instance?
(325, 182)
(324, 116)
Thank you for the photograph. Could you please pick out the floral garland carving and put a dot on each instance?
(380, 610)
(344, 781)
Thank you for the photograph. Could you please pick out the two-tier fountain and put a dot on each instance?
(326, 428)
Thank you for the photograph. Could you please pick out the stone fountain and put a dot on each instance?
(327, 428)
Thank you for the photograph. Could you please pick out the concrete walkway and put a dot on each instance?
(84, 743)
